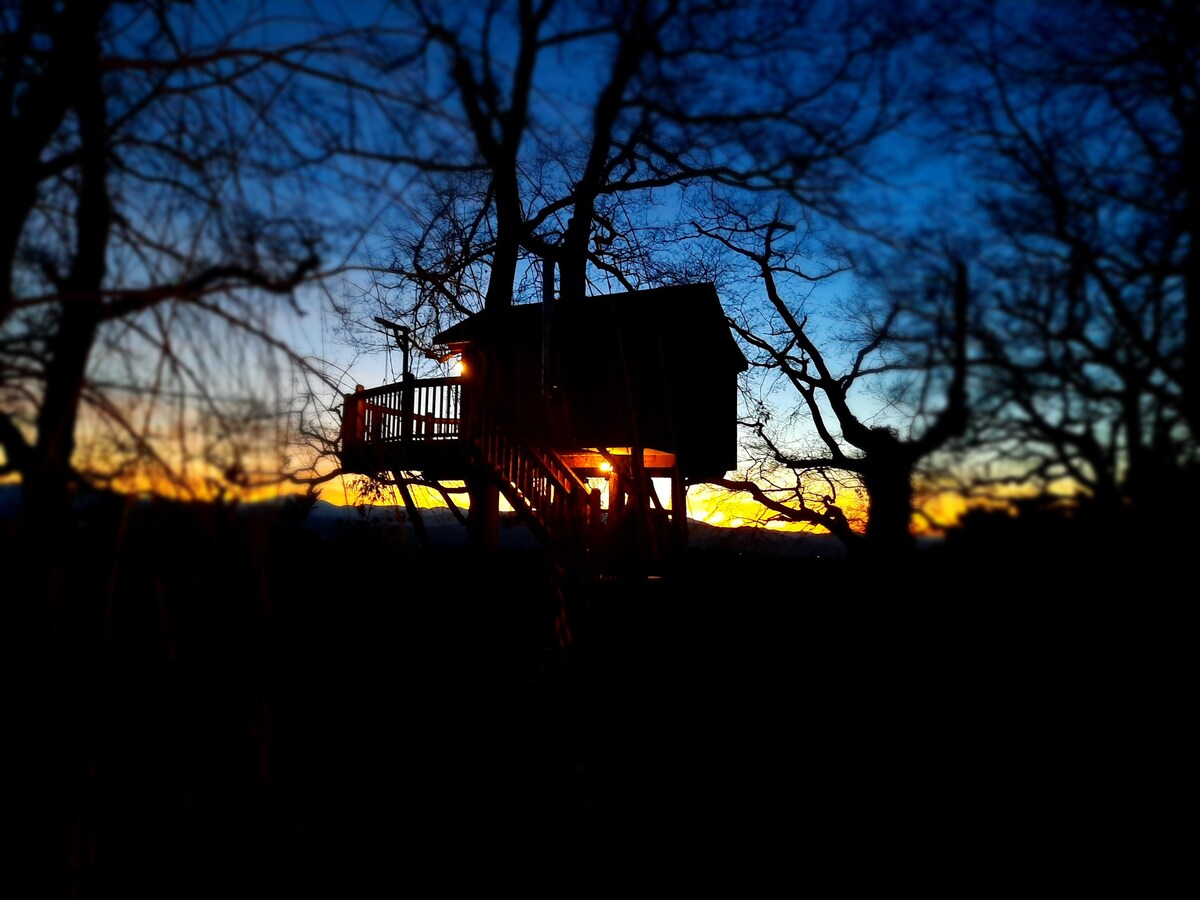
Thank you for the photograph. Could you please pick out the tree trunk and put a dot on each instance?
(509, 223)
(1191, 282)
(889, 488)
(572, 277)
(46, 492)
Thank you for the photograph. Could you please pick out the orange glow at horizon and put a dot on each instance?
(711, 505)
(730, 509)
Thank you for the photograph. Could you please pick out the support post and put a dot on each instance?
(406, 410)
(414, 514)
(644, 537)
(483, 518)
(354, 413)
(594, 532)
(679, 523)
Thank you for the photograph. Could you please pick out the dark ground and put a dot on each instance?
(247, 705)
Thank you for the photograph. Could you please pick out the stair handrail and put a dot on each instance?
(546, 488)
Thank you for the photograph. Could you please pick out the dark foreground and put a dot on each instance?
(271, 714)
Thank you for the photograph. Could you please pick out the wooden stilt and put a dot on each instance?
(414, 513)
(483, 517)
(679, 520)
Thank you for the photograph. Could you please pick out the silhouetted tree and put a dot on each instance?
(164, 189)
(856, 390)
(162, 185)
(565, 135)
(1081, 122)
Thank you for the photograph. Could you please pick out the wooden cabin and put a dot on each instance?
(631, 388)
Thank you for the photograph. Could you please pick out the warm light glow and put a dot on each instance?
(460, 368)
(195, 480)
(717, 506)
(944, 509)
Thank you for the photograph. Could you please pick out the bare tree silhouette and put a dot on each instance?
(926, 395)
(170, 193)
(1081, 124)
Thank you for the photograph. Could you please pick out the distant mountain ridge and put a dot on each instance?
(327, 520)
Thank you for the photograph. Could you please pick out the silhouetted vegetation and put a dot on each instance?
(236, 698)
(240, 698)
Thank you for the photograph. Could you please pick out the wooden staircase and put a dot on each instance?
(556, 505)
(601, 592)
(562, 512)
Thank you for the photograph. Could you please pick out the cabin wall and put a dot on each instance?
(706, 417)
(654, 393)
(593, 400)
(511, 393)
(620, 372)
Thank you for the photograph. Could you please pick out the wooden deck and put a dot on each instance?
(415, 425)
(418, 425)
(421, 426)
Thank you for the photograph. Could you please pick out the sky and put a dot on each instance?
(358, 203)
(365, 356)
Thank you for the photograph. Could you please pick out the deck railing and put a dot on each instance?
(416, 409)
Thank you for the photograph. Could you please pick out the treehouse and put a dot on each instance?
(588, 416)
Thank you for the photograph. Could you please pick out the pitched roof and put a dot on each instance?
(688, 318)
